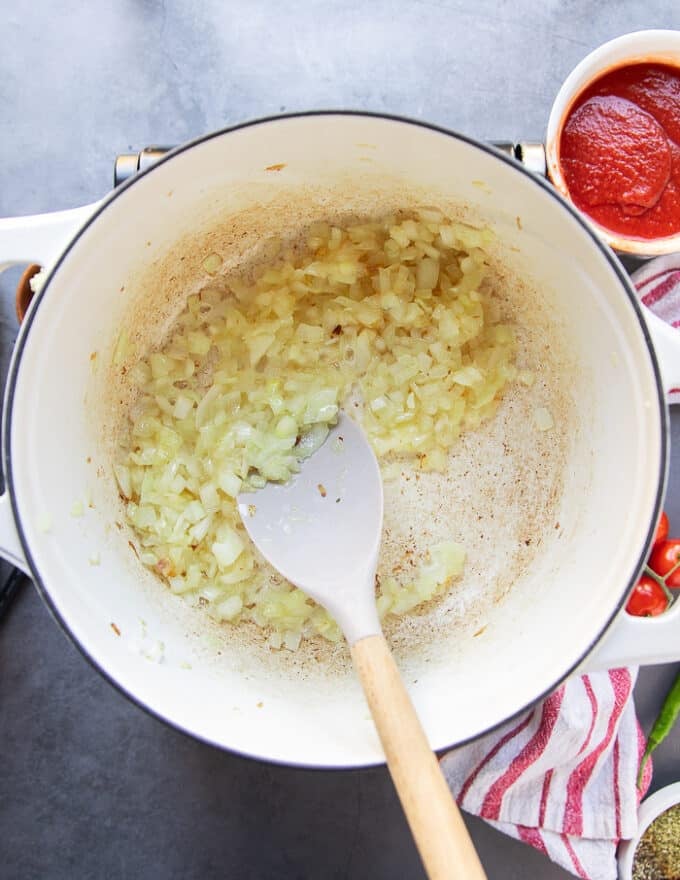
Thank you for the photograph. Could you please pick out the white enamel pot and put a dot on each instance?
(563, 614)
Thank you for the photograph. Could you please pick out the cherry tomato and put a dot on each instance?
(664, 557)
(647, 599)
(661, 532)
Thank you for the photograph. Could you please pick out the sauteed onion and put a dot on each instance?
(388, 319)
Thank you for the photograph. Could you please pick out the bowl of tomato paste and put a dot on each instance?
(613, 141)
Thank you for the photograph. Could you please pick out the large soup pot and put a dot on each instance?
(127, 263)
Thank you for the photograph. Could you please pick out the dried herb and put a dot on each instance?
(657, 856)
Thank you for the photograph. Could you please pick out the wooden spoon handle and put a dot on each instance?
(433, 815)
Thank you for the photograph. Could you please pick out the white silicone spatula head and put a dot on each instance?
(322, 529)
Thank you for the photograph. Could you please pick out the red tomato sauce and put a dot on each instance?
(619, 150)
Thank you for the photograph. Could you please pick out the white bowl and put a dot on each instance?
(650, 809)
(657, 46)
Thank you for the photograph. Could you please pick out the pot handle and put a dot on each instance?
(635, 641)
(40, 238)
(10, 546)
(666, 341)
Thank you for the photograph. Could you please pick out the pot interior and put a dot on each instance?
(533, 509)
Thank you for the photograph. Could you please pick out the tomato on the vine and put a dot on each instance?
(647, 599)
(661, 532)
(665, 556)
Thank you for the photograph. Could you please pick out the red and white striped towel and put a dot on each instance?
(563, 777)
(658, 286)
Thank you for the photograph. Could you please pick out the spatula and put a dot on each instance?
(322, 532)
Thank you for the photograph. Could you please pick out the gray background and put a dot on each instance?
(90, 786)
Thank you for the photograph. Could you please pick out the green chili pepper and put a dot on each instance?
(663, 724)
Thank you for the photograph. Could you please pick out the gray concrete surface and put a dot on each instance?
(90, 786)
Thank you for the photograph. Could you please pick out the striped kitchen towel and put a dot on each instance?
(658, 285)
(562, 777)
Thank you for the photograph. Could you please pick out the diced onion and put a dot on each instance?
(427, 273)
(124, 349)
(212, 264)
(228, 548)
(446, 562)
(391, 313)
(543, 419)
(311, 440)
(44, 522)
(230, 608)
(77, 508)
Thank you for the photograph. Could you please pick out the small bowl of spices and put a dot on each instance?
(613, 141)
(655, 853)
